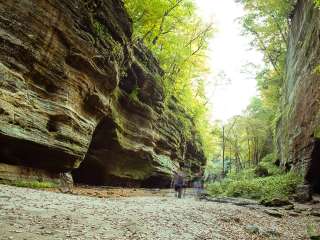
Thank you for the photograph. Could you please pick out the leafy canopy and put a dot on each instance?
(179, 39)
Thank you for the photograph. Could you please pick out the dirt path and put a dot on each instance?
(31, 214)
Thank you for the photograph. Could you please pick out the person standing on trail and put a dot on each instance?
(178, 183)
(198, 183)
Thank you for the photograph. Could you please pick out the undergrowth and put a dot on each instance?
(262, 188)
(30, 184)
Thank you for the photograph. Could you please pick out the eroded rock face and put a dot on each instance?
(17, 173)
(299, 125)
(76, 92)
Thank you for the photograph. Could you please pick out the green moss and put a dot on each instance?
(184, 123)
(317, 132)
(134, 95)
(165, 163)
(102, 32)
(30, 184)
(316, 70)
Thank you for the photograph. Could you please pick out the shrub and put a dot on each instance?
(279, 186)
(268, 162)
(261, 171)
(244, 174)
(216, 188)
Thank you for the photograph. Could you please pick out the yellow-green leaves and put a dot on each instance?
(179, 39)
(267, 22)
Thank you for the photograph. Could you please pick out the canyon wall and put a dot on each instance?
(78, 94)
(298, 128)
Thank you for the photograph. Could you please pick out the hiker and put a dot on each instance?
(178, 182)
(198, 183)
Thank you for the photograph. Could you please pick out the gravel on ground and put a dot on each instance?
(35, 214)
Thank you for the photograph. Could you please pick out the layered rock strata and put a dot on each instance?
(77, 93)
(299, 125)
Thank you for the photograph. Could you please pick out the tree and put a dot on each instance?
(267, 21)
(178, 37)
(175, 34)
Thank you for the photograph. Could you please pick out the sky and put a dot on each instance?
(229, 52)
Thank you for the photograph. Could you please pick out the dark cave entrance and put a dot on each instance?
(109, 163)
(156, 182)
(92, 170)
(20, 152)
(313, 174)
(89, 173)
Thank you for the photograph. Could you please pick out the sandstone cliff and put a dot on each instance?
(299, 125)
(77, 93)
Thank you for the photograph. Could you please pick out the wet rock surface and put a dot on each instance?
(31, 214)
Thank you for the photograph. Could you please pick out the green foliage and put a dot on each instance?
(313, 232)
(279, 186)
(179, 39)
(100, 29)
(217, 188)
(185, 124)
(31, 184)
(249, 137)
(116, 47)
(134, 95)
(267, 22)
(317, 2)
(245, 174)
(268, 163)
(317, 69)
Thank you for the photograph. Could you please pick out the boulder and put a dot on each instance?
(303, 193)
(266, 232)
(276, 202)
(274, 213)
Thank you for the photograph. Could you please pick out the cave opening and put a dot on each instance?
(92, 171)
(20, 152)
(109, 163)
(159, 181)
(313, 174)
